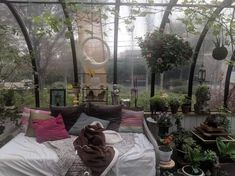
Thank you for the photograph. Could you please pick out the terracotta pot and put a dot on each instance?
(188, 171)
(165, 153)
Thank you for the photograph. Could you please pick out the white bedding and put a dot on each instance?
(138, 161)
(24, 156)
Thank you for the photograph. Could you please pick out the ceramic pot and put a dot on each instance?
(188, 171)
(174, 109)
(165, 153)
(186, 108)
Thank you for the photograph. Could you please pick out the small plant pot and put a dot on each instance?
(186, 109)
(188, 171)
(174, 109)
(165, 153)
(181, 153)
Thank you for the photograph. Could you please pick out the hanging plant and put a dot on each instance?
(164, 52)
(220, 52)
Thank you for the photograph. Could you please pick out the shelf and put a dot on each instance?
(210, 140)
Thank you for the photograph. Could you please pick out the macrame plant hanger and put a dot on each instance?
(91, 63)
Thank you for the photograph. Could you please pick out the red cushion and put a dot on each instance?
(50, 129)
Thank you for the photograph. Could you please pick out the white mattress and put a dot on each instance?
(23, 156)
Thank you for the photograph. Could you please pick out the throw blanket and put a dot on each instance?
(66, 154)
(90, 146)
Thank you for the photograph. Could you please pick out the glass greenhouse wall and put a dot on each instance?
(47, 28)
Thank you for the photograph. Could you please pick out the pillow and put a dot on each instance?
(107, 112)
(132, 121)
(70, 114)
(35, 116)
(83, 121)
(50, 129)
(24, 121)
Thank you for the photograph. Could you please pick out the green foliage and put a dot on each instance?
(164, 120)
(174, 101)
(186, 100)
(221, 23)
(159, 101)
(11, 58)
(226, 149)
(164, 52)
(202, 93)
(47, 23)
(196, 156)
(8, 97)
(178, 117)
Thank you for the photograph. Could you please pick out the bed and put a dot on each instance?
(138, 155)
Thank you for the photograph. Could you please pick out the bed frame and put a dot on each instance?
(151, 138)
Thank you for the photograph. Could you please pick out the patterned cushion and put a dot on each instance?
(24, 121)
(132, 121)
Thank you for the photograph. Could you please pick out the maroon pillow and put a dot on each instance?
(70, 114)
(111, 113)
(50, 130)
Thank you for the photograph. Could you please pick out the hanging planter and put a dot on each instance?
(164, 52)
(219, 52)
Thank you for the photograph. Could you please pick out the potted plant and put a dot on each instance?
(165, 149)
(186, 104)
(159, 102)
(183, 142)
(164, 52)
(202, 97)
(163, 122)
(174, 104)
(196, 156)
(226, 150)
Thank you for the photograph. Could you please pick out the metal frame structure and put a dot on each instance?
(30, 48)
(202, 36)
(117, 4)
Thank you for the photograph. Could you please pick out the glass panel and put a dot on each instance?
(53, 51)
(145, 1)
(95, 36)
(15, 63)
(132, 67)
